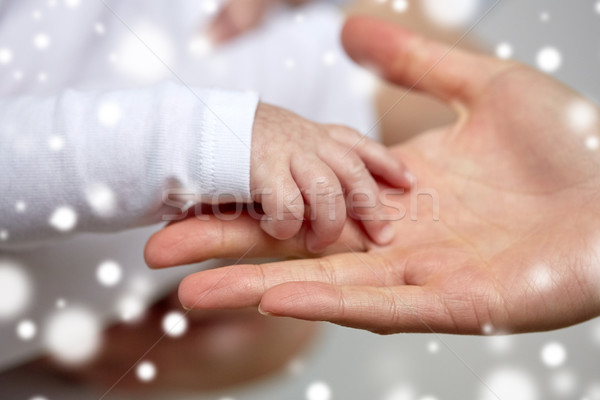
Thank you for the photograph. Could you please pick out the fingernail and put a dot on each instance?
(186, 308)
(263, 312)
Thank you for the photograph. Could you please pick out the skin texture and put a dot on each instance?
(516, 246)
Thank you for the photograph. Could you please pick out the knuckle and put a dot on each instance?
(294, 211)
(343, 133)
(356, 169)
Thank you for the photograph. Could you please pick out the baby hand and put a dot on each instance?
(299, 166)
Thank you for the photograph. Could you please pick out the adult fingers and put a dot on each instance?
(198, 239)
(379, 309)
(244, 285)
(410, 60)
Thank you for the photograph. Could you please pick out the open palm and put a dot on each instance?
(501, 233)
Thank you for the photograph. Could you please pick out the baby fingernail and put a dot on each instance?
(263, 312)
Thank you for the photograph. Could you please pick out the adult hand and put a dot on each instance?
(517, 244)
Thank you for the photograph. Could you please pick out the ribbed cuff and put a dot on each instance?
(222, 171)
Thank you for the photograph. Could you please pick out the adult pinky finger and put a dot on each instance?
(383, 310)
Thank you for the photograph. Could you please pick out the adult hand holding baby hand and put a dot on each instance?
(304, 172)
(517, 244)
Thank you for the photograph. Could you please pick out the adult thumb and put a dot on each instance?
(410, 60)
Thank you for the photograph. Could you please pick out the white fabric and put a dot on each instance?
(93, 56)
(131, 144)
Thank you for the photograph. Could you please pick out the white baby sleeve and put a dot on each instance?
(102, 161)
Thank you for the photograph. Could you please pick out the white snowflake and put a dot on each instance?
(433, 346)
(289, 63)
(329, 58)
(26, 330)
(504, 50)
(63, 219)
(15, 289)
(400, 6)
(487, 329)
(200, 46)
(109, 114)
(541, 278)
(72, 335)
(363, 82)
(144, 61)
(101, 199)
(582, 116)
(549, 59)
(400, 392)
(20, 206)
(41, 41)
(296, 366)
(131, 308)
(564, 383)
(210, 7)
(56, 143)
(318, 391)
(500, 344)
(99, 28)
(174, 324)
(72, 3)
(450, 13)
(109, 273)
(592, 142)
(553, 354)
(146, 371)
(5, 55)
(509, 383)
